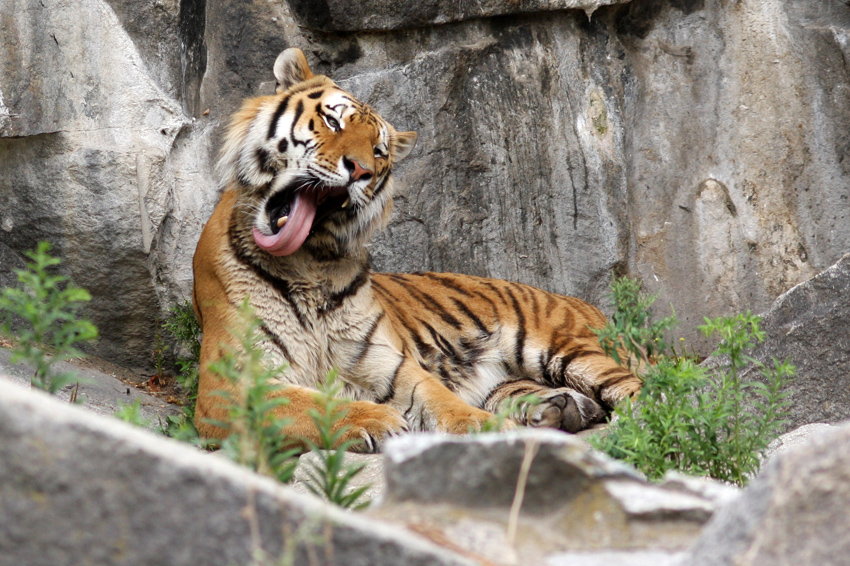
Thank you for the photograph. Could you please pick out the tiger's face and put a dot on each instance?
(313, 161)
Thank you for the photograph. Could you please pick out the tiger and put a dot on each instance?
(307, 176)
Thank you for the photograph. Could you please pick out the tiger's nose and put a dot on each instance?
(355, 171)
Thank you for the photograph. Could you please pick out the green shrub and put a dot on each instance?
(331, 476)
(44, 309)
(184, 329)
(132, 414)
(688, 418)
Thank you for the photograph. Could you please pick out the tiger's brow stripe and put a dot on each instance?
(299, 110)
(281, 108)
(315, 95)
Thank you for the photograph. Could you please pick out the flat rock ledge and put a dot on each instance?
(80, 488)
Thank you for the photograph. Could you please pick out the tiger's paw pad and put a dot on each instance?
(567, 410)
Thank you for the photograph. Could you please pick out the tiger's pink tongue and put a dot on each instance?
(289, 238)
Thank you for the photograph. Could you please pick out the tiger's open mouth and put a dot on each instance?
(294, 211)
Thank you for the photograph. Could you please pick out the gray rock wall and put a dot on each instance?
(699, 144)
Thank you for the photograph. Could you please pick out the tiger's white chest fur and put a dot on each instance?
(311, 340)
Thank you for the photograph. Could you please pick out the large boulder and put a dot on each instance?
(539, 496)
(794, 513)
(810, 326)
(79, 488)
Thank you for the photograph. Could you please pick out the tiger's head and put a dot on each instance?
(311, 163)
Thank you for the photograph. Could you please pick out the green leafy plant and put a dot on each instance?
(47, 306)
(692, 420)
(184, 329)
(256, 438)
(132, 414)
(331, 475)
(631, 329)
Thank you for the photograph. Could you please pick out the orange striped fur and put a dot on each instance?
(414, 351)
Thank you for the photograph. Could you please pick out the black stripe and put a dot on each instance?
(315, 95)
(495, 290)
(425, 350)
(311, 125)
(575, 354)
(367, 341)
(520, 334)
(391, 391)
(381, 184)
(424, 297)
(535, 307)
(265, 159)
(336, 300)
(489, 301)
(448, 282)
(281, 108)
(413, 398)
(283, 145)
(277, 342)
(281, 286)
(444, 345)
(471, 316)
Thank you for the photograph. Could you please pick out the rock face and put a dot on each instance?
(795, 512)
(699, 144)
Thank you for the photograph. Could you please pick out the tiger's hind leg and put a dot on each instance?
(563, 408)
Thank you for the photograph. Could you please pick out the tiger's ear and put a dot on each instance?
(401, 144)
(291, 68)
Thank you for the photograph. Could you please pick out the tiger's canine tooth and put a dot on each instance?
(346, 203)
(281, 221)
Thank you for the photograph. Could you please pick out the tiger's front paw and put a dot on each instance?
(370, 424)
(464, 420)
(565, 409)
